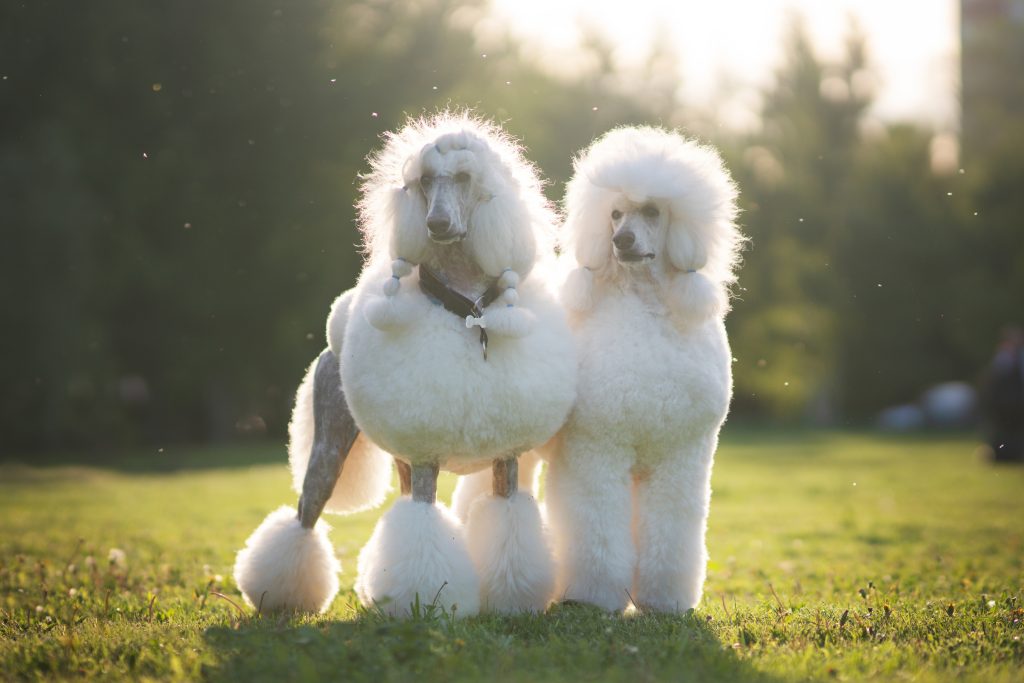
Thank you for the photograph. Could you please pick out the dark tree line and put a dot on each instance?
(177, 182)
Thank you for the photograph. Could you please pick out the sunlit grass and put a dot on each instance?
(833, 555)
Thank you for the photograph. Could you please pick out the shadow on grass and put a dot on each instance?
(161, 459)
(566, 644)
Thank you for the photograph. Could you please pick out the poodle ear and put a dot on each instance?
(502, 235)
(408, 215)
(392, 218)
(686, 249)
(588, 237)
(694, 298)
(578, 289)
(589, 226)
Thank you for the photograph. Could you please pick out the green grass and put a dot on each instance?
(833, 556)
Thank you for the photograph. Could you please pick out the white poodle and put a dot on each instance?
(454, 354)
(651, 224)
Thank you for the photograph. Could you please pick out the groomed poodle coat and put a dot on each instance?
(651, 227)
(450, 209)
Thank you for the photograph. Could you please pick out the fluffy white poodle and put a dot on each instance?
(450, 353)
(651, 225)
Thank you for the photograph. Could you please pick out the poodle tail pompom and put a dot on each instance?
(284, 567)
(696, 298)
(578, 290)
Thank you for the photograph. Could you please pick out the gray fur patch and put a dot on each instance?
(334, 432)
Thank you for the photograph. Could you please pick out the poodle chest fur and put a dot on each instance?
(646, 383)
(426, 394)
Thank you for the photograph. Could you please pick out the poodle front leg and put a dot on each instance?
(672, 512)
(417, 556)
(589, 502)
(509, 546)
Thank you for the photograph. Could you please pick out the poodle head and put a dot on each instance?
(650, 198)
(454, 178)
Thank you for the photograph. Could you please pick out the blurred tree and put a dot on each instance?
(897, 261)
(178, 183)
(794, 174)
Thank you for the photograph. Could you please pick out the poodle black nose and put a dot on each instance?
(438, 225)
(624, 239)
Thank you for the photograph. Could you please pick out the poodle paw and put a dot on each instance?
(665, 604)
(285, 567)
(416, 556)
(508, 545)
(668, 593)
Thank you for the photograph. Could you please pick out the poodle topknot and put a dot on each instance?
(643, 164)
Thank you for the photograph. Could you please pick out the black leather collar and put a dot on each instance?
(456, 302)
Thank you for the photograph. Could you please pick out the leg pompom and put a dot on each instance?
(417, 553)
(284, 567)
(510, 550)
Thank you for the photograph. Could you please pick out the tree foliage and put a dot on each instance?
(177, 182)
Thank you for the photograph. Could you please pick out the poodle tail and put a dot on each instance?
(365, 479)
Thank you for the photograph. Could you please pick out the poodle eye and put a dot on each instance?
(462, 177)
(616, 215)
(651, 211)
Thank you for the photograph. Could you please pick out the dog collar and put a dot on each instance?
(456, 302)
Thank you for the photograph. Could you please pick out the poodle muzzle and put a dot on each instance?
(443, 223)
(626, 247)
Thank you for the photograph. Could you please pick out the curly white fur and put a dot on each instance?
(629, 477)
(510, 550)
(284, 567)
(651, 163)
(414, 374)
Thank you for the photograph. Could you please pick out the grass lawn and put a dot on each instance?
(833, 556)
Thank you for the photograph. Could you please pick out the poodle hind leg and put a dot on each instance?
(417, 556)
(509, 546)
(671, 522)
(589, 505)
(472, 486)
